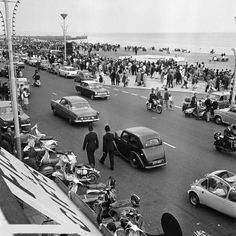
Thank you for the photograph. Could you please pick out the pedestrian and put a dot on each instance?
(171, 102)
(25, 99)
(208, 108)
(166, 99)
(21, 89)
(108, 147)
(8, 140)
(91, 144)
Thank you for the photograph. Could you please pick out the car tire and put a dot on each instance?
(92, 96)
(217, 148)
(133, 160)
(218, 120)
(194, 199)
(54, 111)
(66, 76)
(70, 121)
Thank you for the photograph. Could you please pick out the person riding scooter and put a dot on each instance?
(152, 97)
(36, 78)
(229, 136)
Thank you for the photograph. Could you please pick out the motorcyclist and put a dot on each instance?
(152, 97)
(36, 77)
(159, 96)
(229, 134)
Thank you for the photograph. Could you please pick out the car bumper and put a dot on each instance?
(101, 95)
(155, 165)
(86, 120)
(12, 125)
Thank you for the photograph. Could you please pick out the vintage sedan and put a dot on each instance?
(32, 61)
(67, 71)
(7, 117)
(44, 65)
(92, 89)
(225, 116)
(216, 190)
(84, 75)
(74, 109)
(141, 146)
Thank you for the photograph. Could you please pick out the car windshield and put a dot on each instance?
(95, 86)
(152, 142)
(70, 69)
(214, 97)
(80, 105)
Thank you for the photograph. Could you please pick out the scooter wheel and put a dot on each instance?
(159, 109)
(93, 179)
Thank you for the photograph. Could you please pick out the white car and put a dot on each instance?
(32, 61)
(216, 190)
(68, 71)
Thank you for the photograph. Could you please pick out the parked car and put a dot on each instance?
(32, 61)
(225, 116)
(92, 89)
(221, 97)
(141, 146)
(6, 116)
(44, 65)
(67, 71)
(74, 109)
(216, 190)
(54, 67)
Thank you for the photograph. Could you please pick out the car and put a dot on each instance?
(54, 67)
(216, 190)
(74, 109)
(7, 117)
(67, 71)
(221, 97)
(225, 116)
(20, 64)
(85, 75)
(92, 89)
(44, 65)
(141, 146)
(32, 61)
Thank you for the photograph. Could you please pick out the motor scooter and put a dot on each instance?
(36, 83)
(222, 144)
(189, 112)
(155, 106)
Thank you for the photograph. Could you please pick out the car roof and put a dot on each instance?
(143, 133)
(220, 93)
(74, 99)
(5, 103)
(90, 82)
(69, 67)
(22, 79)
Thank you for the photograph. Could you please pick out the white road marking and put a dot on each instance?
(143, 97)
(154, 118)
(115, 89)
(134, 94)
(177, 106)
(167, 144)
(124, 92)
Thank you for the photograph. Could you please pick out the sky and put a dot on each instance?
(42, 17)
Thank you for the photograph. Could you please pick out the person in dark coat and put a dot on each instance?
(108, 147)
(91, 144)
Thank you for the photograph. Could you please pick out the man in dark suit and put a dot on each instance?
(108, 147)
(91, 144)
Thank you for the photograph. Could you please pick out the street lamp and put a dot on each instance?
(64, 15)
(12, 77)
(233, 89)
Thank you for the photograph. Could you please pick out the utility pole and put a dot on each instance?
(233, 89)
(64, 15)
(12, 81)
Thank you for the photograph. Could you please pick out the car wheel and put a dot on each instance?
(133, 161)
(66, 76)
(92, 96)
(218, 148)
(70, 121)
(218, 120)
(194, 199)
(54, 111)
(93, 179)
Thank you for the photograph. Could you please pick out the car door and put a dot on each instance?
(122, 143)
(86, 89)
(61, 108)
(231, 116)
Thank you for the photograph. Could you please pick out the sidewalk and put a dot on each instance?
(154, 83)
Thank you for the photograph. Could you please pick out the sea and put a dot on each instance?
(194, 42)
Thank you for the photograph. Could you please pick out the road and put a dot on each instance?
(188, 146)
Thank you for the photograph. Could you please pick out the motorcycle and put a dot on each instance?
(156, 106)
(222, 144)
(188, 112)
(36, 83)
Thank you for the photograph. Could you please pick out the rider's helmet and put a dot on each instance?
(135, 200)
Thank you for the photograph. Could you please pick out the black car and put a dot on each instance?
(141, 146)
(92, 89)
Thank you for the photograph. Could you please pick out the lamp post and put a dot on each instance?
(233, 89)
(64, 15)
(12, 77)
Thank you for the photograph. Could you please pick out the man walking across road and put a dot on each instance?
(91, 144)
(108, 147)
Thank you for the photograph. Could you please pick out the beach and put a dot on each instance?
(190, 58)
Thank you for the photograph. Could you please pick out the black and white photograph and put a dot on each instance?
(117, 118)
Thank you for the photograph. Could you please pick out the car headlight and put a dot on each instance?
(96, 93)
(108, 93)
